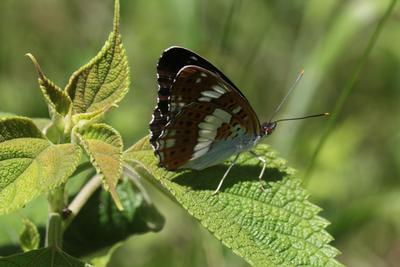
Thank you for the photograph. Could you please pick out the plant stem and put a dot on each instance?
(79, 201)
(54, 231)
(349, 87)
(54, 224)
(56, 199)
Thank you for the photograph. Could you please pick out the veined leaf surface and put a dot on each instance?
(29, 163)
(275, 227)
(102, 82)
(104, 146)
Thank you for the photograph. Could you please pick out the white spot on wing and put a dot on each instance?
(205, 99)
(208, 126)
(212, 119)
(203, 74)
(237, 110)
(202, 145)
(211, 94)
(198, 80)
(223, 115)
(219, 89)
(207, 134)
(202, 139)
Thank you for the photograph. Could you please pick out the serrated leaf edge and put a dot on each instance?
(85, 145)
(43, 79)
(116, 38)
(139, 146)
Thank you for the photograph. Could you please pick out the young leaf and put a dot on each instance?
(57, 99)
(29, 237)
(100, 224)
(104, 146)
(29, 163)
(49, 257)
(104, 81)
(278, 227)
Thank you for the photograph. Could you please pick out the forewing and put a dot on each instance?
(170, 63)
(203, 110)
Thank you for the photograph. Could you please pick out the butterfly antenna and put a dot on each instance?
(287, 95)
(305, 117)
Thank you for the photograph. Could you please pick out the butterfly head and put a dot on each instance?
(268, 127)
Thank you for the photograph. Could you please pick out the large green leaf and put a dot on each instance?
(29, 163)
(104, 146)
(104, 81)
(100, 224)
(57, 100)
(49, 257)
(278, 227)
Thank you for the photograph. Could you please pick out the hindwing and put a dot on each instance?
(203, 110)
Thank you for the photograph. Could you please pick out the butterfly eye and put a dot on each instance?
(269, 127)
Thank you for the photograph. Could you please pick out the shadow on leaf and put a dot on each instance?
(208, 179)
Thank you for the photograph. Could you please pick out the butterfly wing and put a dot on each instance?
(209, 121)
(170, 63)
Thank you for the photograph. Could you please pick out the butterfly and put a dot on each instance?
(201, 118)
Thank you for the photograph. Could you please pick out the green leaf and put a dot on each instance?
(104, 81)
(29, 238)
(41, 123)
(278, 227)
(29, 163)
(49, 257)
(57, 99)
(104, 146)
(100, 224)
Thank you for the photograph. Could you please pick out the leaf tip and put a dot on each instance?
(116, 199)
(116, 15)
(36, 64)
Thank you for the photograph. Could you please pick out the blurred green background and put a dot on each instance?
(261, 45)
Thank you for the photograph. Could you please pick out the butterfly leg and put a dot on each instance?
(226, 174)
(264, 162)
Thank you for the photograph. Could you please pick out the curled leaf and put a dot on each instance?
(104, 146)
(57, 99)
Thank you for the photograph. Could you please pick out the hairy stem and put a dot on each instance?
(54, 225)
(79, 201)
(54, 231)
